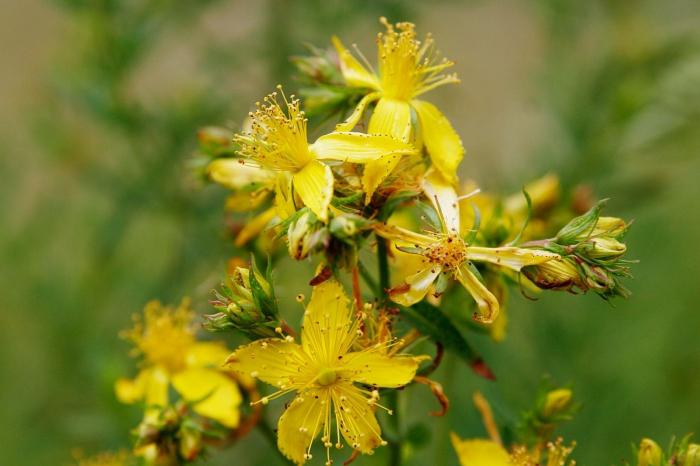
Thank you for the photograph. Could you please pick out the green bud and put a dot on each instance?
(246, 302)
(215, 141)
(580, 227)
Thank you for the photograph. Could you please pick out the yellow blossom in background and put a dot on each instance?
(121, 458)
(328, 373)
(407, 69)
(278, 141)
(165, 338)
(446, 252)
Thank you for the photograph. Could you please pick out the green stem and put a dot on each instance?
(383, 263)
(392, 400)
(392, 397)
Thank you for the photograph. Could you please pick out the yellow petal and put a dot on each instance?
(393, 118)
(372, 367)
(328, 329)
(314, 184)
(359, 425)
(257, 224)
(358, 147)
(479, 452)
(354, 73)
(284, 199)
(444, 198)
(511, 257)
(441, 140)
(301, 423)
(235, 174)
(149, 386)
(207, 354)
(354, 118)
(272, 360)
(486, 302)
(215, 395)
(403, 236)
(418, 285)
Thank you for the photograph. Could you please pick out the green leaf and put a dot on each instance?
(432, 322)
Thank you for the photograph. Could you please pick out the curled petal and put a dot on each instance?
(390, 117)
(441, 140)
(511, 257)
(486, 302)
(417, 286)
(444, 198)
(355, 74)
(354, 118)
(314, 184)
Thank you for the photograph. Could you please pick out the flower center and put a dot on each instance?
(326, 377)
(449, 253)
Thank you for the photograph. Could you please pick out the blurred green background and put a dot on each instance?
(101, 100)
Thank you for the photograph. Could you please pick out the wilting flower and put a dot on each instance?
(328, 372)
(407, 69)
(172, 357)
(447, 253)
(278, 141)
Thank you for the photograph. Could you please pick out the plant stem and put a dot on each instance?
(392, 396)
(383, 263)
(392, 400)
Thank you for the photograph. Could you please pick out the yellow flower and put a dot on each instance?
(323, 371)
(480, 452)
(446, 252)
(165, 338)
(407, 69)
(121, 458)
(277, 141)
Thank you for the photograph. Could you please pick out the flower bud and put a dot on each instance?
(559, 274)
(605, 248)
(346, 226)
(247, 303)
(556, 402)
(580, 228)
(190, 443)
(305, 235)
(610, 226)
(649, 453)
(692, 455)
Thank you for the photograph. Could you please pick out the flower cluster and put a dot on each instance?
(384, 181)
